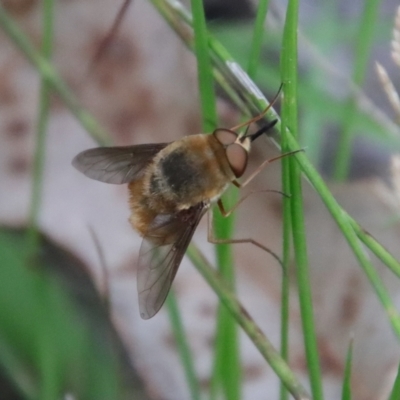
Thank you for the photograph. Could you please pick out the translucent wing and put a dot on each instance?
(116, 164)
(161, 253)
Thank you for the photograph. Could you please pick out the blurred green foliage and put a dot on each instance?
(55, 335)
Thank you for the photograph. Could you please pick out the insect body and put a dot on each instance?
(171, 187)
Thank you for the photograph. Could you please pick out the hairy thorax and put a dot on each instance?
(186, 172)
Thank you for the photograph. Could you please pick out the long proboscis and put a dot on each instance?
(262, 130)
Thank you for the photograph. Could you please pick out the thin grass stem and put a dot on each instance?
(52, 77)
(242, 317)
(346, 389)
(41, 127)
(395, 393)
(257, 41)
(362, 52)
(286, 251)
(289, 123)
(183, 345)
(345, 225)
(227, 360)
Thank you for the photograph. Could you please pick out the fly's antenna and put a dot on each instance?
(259, 116)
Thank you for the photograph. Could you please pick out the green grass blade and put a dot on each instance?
(286, 259)
(183, 345)
(383, 254)
(289, 122)
(204, 68)
(345, 225)
(395, 393)
(285, 293)
(270, 354)
(256, 43)
(48, 72)
(286, 251)
(227, 359)
(341, 218)
(346, 390)
(362, 51)
(43, 328)
(209, 120)
(230, 75)
(50, 377)
(226, 377)
(43, 115)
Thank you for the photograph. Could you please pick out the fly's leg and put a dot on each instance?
(261, 167)
(226, 214)
(212, 239)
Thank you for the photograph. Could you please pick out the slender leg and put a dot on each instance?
(212, 239)
(261, 167)
(240, 201)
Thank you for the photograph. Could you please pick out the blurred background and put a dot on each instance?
(69, 319)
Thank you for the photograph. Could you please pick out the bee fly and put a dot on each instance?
(171, 187)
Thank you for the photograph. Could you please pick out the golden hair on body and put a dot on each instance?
(171, 187)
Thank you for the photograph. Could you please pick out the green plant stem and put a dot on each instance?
(49, 382)
(350, 235)
(289, 123)
(227, 359)
(43, 116)
(258, 33)
(174, 12)
(245, 321)
(209, 120)
(286, 251)
(304, 285)
(227, 72)
(183, 345)
(395, 394)
(64, 349)
(204, 68)
(346, 390)
(227, 353)
(379, 250)
(286, 236)
(50, 75)
(229, 75)
(362, 51)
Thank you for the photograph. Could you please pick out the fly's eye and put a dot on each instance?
(237, 158)
(225, 136)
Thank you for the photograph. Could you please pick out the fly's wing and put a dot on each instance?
(116, 164)
(161, 253)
